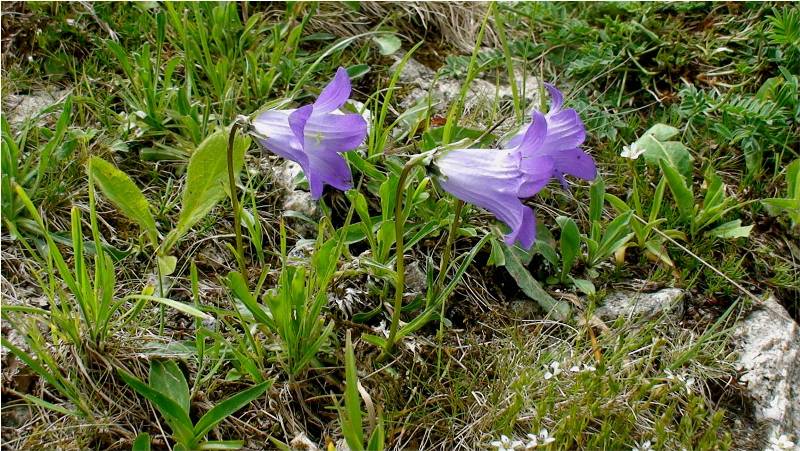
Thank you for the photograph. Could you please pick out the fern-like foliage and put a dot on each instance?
(785, 27)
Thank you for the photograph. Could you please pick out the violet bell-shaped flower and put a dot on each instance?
(565, 134)
(315, 136)
(498, 180)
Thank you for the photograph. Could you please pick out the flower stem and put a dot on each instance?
(447, 252)
(399, 228)
(443, 267)
(237, 221)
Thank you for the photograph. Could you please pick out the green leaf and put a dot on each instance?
(228, 407)
(596, 199)
(570, 243)
(680, 191)
(387, 43)
(656, 147)
(142, 442)
(167, 264)
(731, 229)
(496, 256)
(238, 285)
(118, 187)
(585, 286)
(559, 309)
(207, 180)
(168, 379)
(661, 132)
(352, 401)
(172, 412)
(179, 306)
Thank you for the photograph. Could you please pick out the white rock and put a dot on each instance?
(301, 442)
(648, 305)
(287, 174)
(768, 340)
(19, 107)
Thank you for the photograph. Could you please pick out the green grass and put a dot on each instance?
(149, 83)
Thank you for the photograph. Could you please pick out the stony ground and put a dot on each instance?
(682, 337)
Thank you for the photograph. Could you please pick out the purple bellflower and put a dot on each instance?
(565, 134)
(498, 180)
(314, 136)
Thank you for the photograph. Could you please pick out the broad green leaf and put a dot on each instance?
(731, 229)
(168, 379)
(207, 179)
(617, 203)
(559, 309)
(387, 43)
(655, 147)
(585, 286)
(680, 191)
(674, 152)
(793, 180)
(228, 407)
(167, 264)
(172, 412)
(496, 256)
(661, 132)
(118, 187)
(596, 199)
(357, 71)
(570, 243)
(142, 442)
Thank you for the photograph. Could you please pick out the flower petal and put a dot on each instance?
(334, 132)
(335, 94)
(489, 179)
(556, 98)
(574, 162)
(327, 168)
(538, 171)
(535, 135)
(564, 129)
(298, 120)
(277, 135)
(525, 234)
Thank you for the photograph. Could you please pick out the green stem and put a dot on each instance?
(443, 267)
(237, 222)
(399, 228)
(447, 253)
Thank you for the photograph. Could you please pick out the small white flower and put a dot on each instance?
(533, 441)
(687, 382)
(633, 151)
(781, 443)
(71, 22)
(545, 437)
(555, 370)
(506, 444)
(584, 368)
(644, 446)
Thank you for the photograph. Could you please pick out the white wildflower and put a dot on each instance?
(644, 446)
(533, 441)
(506, 444)
(584, 368)
(781, 443)
(545, 437)
(553, 371)
(633, 151)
